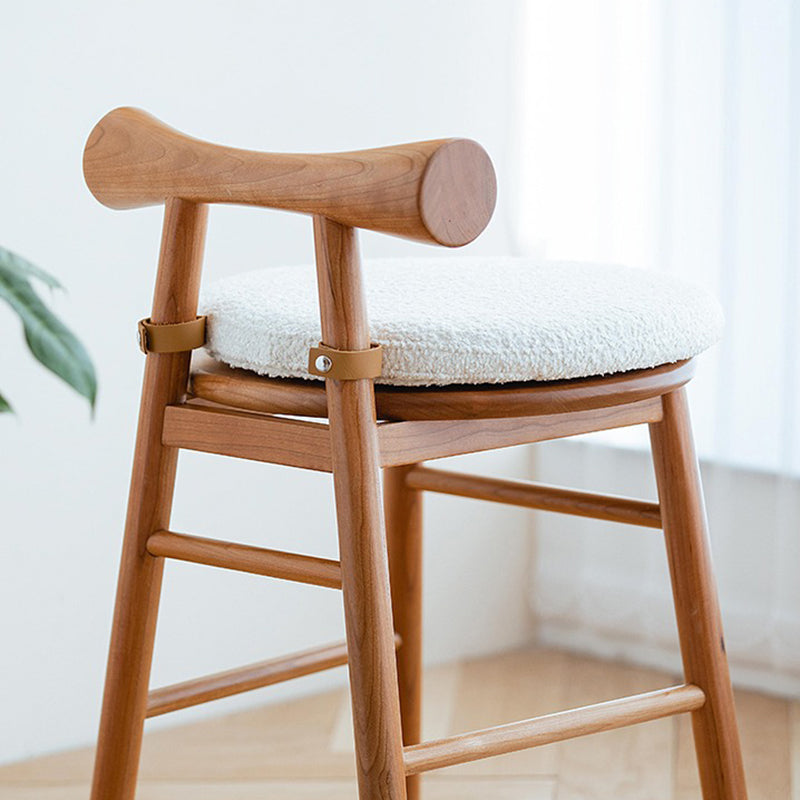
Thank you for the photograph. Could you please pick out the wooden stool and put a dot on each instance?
(437, 192)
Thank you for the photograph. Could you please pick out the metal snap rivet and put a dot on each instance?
(323, 363)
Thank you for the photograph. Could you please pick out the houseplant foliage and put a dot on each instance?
(48, 339)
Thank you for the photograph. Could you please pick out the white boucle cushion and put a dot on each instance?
(471, 320)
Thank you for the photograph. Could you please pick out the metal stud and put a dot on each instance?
(323, 363)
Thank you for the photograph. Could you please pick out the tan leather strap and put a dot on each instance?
(345, 365)
(171, 338)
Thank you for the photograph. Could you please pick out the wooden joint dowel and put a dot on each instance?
(245, 558)
(538, 496)
(552, 728)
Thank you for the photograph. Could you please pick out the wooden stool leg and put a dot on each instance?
(133, 632)
(149, 505)
(366, 594)
(403, 508)
(362, 538)
(696, 605)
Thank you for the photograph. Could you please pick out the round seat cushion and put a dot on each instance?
(470, 320)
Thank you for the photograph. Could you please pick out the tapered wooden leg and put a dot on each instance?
(366, 594)
(699, 625)
(133, 632)
(362, 538)
(149, 504)
(403, 507)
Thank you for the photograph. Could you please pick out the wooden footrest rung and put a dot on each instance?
(552, 728)
(244, 679)
(245, 558)
(537, 496)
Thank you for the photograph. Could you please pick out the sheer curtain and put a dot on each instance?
(665, 134)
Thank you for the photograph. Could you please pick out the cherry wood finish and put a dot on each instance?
(300, 443)
(240, 388)
(403, 507)
(362, 539)
(440, 191)
(294, 443)
(149, 506)
(412, 442)
(699, 624)
(246, 558)
(553, 728)
(297, 748)
(244, 679)
(535, 495)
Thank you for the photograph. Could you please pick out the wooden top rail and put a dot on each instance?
(440, 191)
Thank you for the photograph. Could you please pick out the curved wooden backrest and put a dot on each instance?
(440, 191)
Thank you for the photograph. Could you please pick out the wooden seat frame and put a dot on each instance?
(439, 192)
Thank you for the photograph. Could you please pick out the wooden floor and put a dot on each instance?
(301, 750)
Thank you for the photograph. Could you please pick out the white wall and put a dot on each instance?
(603, 588)
(282, 76)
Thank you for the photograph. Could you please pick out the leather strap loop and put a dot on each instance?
(178, 337)
(345, 365)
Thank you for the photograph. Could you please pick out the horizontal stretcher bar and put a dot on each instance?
(552, 728)
(244, 679)
(300, 443)
(245, 558)
(538, 496)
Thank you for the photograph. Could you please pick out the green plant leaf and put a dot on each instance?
(16, 265)
(5, 406)
(50, 341)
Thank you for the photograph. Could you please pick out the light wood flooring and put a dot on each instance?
(301, 750)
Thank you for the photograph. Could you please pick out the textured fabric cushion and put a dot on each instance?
(471, 320)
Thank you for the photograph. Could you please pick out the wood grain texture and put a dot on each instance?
(765, 724)
(284, 740)
(412, 442)
(628, 763)
(403, 509)
(535, 495)
(300, 443)
(509, 686)
(553, 728)
(443, 192)
(302, 743)
(293, 443)
(440, 690)
(696, 605)
(240, 388)
(216, 382)
(246, 558)
(362, 538)
(440, 191)
(149, 506)
(244, 679)
(529, 789)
